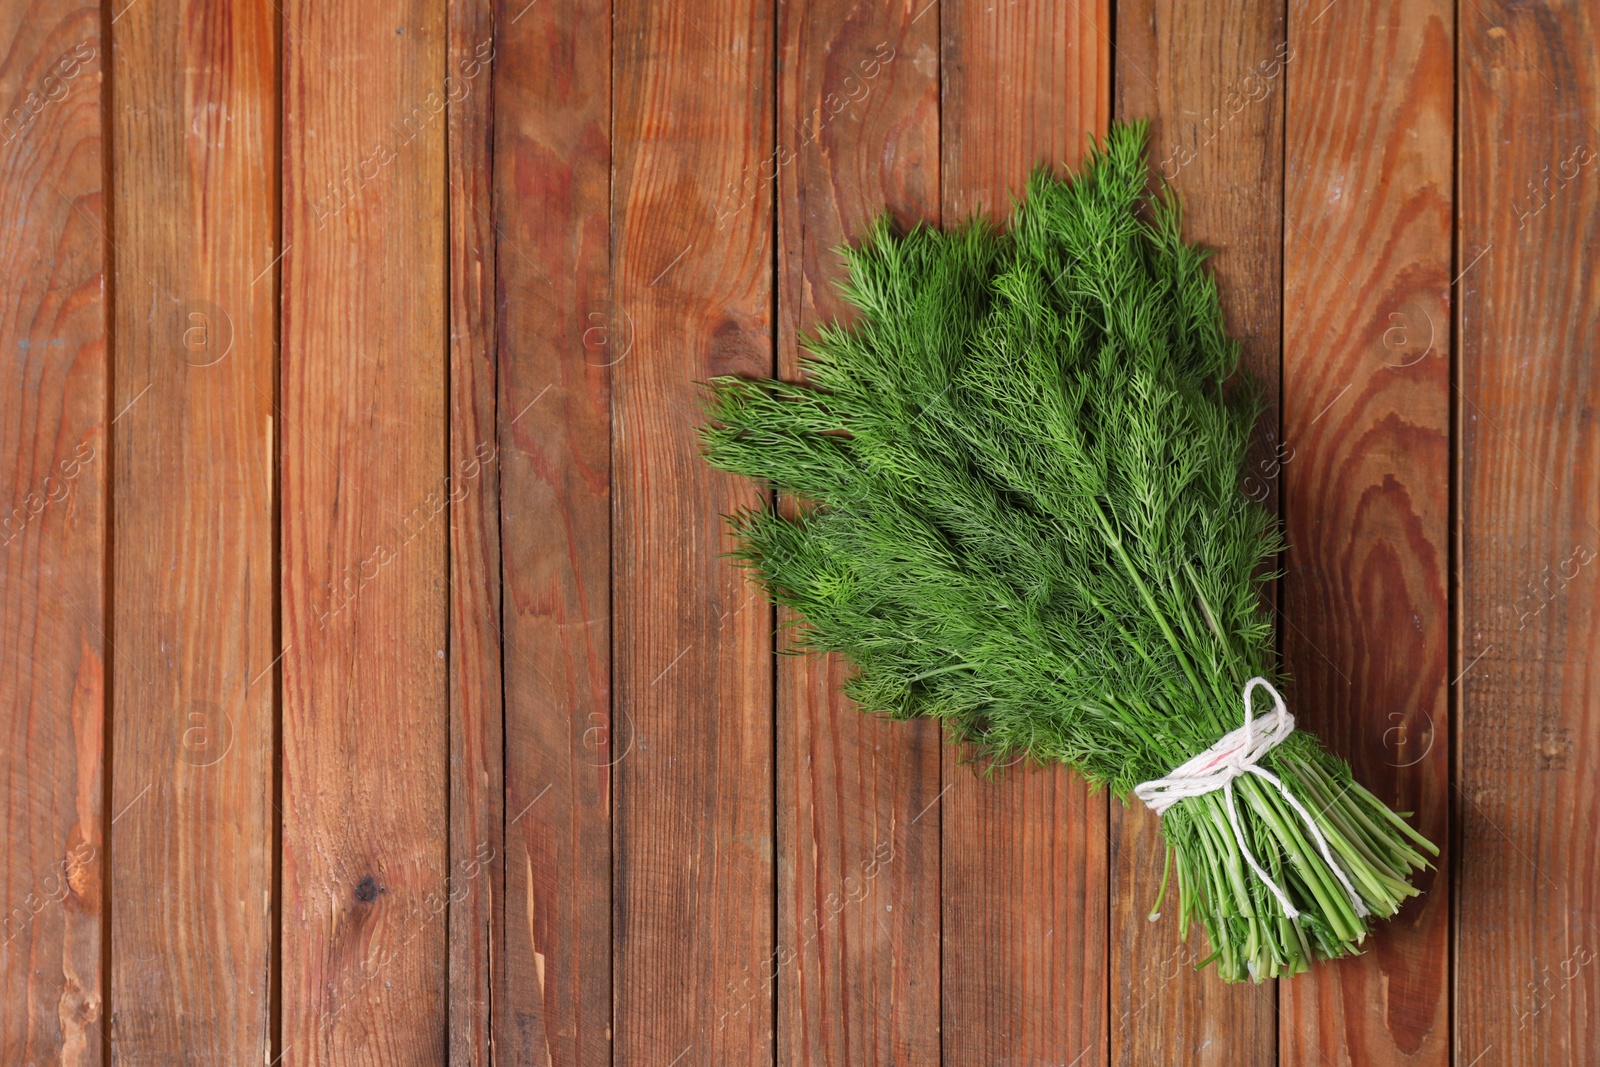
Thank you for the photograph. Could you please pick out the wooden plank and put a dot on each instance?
(477, 872)
(1366, 411)
(694, 888)
(195, 209)
(365, 458)
(1022, 84)
(1527, 932)
(558, 340)
(53, 481)
(858, 870)
(1024, 855)
(1210, 79)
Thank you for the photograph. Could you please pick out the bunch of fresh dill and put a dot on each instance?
(1019, 512)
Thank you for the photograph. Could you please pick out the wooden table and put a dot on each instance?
(375, 690)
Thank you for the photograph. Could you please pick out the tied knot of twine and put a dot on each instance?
(1237, 753)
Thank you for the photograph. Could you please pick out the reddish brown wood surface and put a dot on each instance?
(693, 866)
(375, 492)
(366, 735)
(1366, 395)
(1020, 84)
(858, 824)
(1025, 853)
(477, 849)
(558, 341)
(1210, 79)
(54, 466)
(195, 212)
(1528, 930)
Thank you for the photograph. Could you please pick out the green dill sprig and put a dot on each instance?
(1019, 512)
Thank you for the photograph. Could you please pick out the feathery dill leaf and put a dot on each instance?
(1019, 513)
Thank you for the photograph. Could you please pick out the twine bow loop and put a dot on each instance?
(1236, 753)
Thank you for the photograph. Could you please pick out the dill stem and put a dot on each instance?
(1149, 601)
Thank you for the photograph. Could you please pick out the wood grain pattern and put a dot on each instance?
(195, 211)
(558, 341)
(546, 796)
(53, 479)
(365, 513)
(694, 888)
(1528, 929)
(1366, 397)
(1021, 84)
(477, 872)
(1025, 853)
(1209, 77)
(858, 830)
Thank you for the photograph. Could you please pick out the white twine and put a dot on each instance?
(1239, 752)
